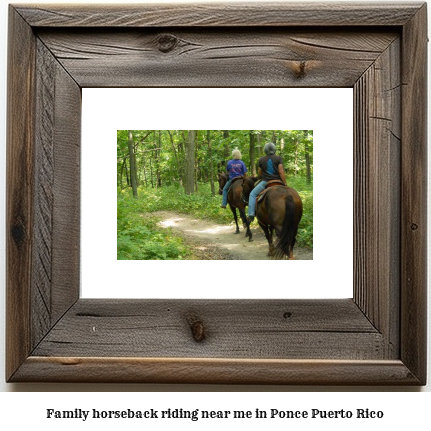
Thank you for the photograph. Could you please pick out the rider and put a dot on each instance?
(235, 168)
(270, 167)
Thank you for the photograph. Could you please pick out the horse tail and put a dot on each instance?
(292, 217)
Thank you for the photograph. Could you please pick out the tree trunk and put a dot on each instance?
(197, 169)
(157, 146)
(177, 161)
(307, 158)
(259, 146)
(144, 169)
(135, 151)
(226, 155)
(122, 171)
(252, 153)
(210, 155)
(151, 173)
(190, 162)
(127, 175)
(132, 165)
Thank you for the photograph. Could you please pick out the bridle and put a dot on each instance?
(220, 188)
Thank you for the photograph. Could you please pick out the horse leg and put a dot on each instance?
(246, 224)
(235, 217)
(271, 238)
(268, 235)
(271, 233)
(291, 256)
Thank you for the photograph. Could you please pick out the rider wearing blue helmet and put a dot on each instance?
(270, 167)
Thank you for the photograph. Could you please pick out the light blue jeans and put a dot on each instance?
(225, 190)
(253, 195)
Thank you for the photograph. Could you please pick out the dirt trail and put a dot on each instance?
(213, 241)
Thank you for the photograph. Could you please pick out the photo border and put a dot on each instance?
(102, 239)
(379, 337)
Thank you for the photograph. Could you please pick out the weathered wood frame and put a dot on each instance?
(378, 337)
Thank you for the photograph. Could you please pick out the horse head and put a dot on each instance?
(222, 180)
(248, 185)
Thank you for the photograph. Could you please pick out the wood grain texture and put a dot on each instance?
(44, 195)
(414, 195)
(44, 111)
(67, 199)
(55, 278)
(214, 58)
(234, 329)
(378, 338)
(220, 15)
(377, 101)
(215, 371)
(20, 194)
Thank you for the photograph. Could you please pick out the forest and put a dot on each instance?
(171, 172)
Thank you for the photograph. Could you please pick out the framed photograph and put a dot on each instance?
(165, 215)
(377, 337)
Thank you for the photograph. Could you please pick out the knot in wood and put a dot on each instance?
(197, 327)
(18, 233)
(167, 42)
(300, 69)
(414, 226)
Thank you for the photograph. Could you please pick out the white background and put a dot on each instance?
(404, 408)
(328, 112)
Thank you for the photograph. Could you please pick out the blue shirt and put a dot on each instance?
(236, 168)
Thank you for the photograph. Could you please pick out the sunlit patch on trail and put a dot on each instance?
(212, 231)
(175, 222)
(170, 222)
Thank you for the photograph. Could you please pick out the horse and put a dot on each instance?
(280, 209)
(235, 199)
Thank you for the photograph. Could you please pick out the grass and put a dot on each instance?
(139, 238)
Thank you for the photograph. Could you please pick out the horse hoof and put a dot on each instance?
(250, 239)
(237, 232)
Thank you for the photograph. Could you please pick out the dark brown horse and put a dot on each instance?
(280, 209)
(236, 201)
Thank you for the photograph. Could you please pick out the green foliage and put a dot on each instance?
(305, 190)
(173, 198)
(160, 154)
(138, 238)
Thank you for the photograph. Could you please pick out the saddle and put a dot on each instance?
(270, 184)
(236, 179)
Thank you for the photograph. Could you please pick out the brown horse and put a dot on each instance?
(236, 201)
(280, 209)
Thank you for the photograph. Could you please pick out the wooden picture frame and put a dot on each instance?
(376, 338)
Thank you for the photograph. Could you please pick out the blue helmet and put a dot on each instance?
(269, 148)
